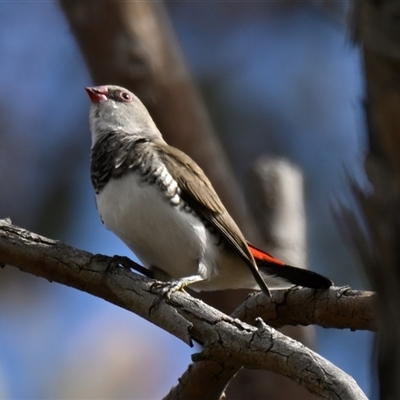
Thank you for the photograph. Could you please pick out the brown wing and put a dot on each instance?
(198, 192)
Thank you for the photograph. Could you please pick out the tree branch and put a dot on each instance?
(261, 348)
(341, 308)
(228, 342)
(335, 308)
(58, 262)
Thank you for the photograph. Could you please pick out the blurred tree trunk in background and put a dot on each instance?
(274, 193)
(378, 29)
(132, 44)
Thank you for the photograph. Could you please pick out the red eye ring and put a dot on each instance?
(125, 96)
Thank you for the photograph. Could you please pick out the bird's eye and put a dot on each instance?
(125, 96)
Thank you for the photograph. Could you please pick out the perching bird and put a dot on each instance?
(161, 204)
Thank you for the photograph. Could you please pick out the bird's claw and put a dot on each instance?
(167, 289)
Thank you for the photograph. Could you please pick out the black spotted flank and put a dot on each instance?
(112, 157)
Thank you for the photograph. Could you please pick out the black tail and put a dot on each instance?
(296, 276)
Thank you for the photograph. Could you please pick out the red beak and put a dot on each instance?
(97, 93)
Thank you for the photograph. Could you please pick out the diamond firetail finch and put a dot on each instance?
(161, 204)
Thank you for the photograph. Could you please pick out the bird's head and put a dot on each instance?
(115, 109)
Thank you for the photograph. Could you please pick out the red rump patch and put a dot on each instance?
(264, 256)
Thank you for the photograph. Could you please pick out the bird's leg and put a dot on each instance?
(125, 262)
(159, 274)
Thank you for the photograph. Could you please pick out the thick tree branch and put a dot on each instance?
(338, 308)
(227, 341)
(270, 350)
(273, 351)
(58, 262)
(341, 308)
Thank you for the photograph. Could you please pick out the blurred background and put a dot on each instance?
(277, 78)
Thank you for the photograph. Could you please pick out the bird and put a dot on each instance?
(161, 204)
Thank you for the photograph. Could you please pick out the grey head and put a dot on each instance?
(116, 109)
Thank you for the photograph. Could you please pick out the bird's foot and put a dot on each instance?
(167, 289)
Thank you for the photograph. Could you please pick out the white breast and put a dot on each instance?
(159, 233)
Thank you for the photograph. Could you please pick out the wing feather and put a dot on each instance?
(199, 193)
